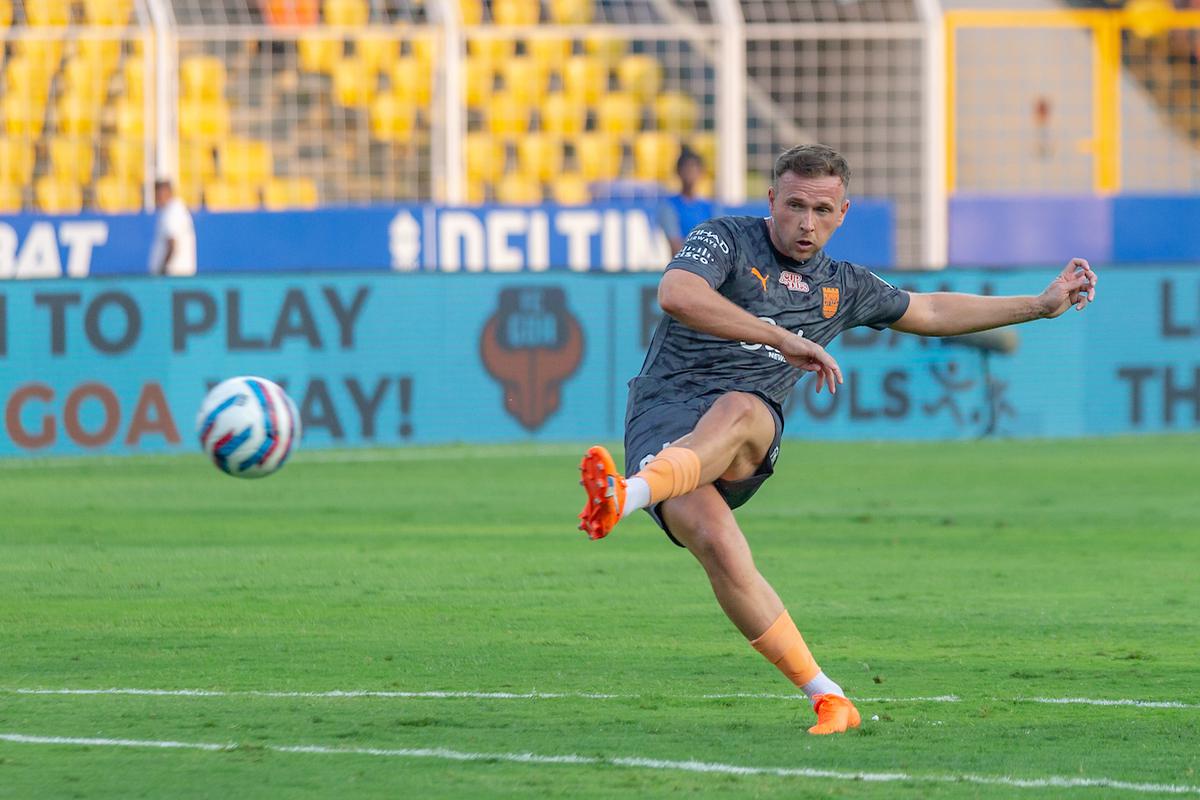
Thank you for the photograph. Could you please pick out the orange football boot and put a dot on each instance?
(834, 714)
(605, 489)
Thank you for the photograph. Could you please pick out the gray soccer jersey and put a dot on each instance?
(818, 298)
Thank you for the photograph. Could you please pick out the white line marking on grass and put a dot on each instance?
(704, 767)
(439, 695)
(1088, 701)
(20, 738)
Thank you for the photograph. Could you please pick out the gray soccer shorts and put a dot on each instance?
(649, 429)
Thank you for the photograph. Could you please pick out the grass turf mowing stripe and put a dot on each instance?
(707, 767)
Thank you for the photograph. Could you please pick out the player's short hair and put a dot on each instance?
(811, 161)
(686, 155)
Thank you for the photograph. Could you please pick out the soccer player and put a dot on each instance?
(748, 304)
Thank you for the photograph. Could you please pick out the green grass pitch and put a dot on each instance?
(996, 572)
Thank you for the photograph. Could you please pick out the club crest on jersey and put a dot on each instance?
(830, 295)
(793, 282)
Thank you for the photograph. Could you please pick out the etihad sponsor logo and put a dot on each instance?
(793, 282)
(762, 278)
(830, 296)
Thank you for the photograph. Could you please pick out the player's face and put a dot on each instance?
(805, 211)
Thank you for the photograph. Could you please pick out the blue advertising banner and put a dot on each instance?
(120, 366)
(615, 237)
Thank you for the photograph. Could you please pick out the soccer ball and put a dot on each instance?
(248, 426)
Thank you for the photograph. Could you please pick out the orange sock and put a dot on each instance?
(784, 647)
(673, 472)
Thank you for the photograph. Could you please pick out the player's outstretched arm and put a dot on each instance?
(952, 314)
(688, 298)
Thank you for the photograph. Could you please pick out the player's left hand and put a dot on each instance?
(1074, 286)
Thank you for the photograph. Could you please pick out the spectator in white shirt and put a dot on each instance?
(174, 248)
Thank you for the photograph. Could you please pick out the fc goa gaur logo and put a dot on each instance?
(531, 345)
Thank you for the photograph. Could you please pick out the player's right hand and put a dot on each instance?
(811, 357)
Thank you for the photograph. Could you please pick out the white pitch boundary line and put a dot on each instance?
(1089, 701)
(440, 695)
(534, 695)
(704, 767)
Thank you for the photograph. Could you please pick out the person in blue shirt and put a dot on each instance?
(679, 213)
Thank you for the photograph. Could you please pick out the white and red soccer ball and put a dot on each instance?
(248, 426)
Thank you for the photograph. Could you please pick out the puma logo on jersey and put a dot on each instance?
(762, 278)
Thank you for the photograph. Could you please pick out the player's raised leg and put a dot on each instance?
(729, 435)
(703, 523)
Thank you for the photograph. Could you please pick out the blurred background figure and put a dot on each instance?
(679, 213)
(174, 249)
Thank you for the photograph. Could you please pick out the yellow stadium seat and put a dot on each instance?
(131, 123)
(471, 11)
(48, 13)
(675, 112)
(618, 113)
(654, 156)
(6, 13)
(598, 156)
(411, 81)
(354, 83)
(572, 12)
(393, 119)
(484, 156)
(478, 82)
(641, 76)
(16, 161)
(83, 79)
(608, 49)
(11, 198)
(202, 78)
(204, 120)
(127, 159)
(516, 189)
(705, 186)
(562, 115)
(246, 161)
(71, 159)
(116, 195)
(540, 156)
(77, 115)
(225, 196)
(197, 164)
(507, 115)
(103, 54)
(585, 78)
(29, 80)
(23, 117)
(189, 190)
(525, 80)
(378, 51)
(319, 52)
(549, 52)
(492, 49)
(281, 193)
(45, 52)
(133, 74)
(570, 190)
(425, 47)
(476, 194)
(516, 12)
(107, 12)
(55, 196)
(346, 12)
